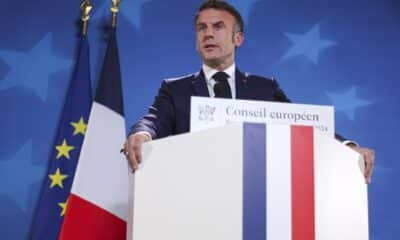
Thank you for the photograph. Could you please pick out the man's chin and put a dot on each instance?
(212, 60)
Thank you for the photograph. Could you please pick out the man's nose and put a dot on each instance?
(208, 33)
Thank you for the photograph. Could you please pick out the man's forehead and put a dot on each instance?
(214, 16)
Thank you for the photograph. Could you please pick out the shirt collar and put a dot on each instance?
(209, 72)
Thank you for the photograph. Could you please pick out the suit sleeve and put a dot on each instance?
(279, 95)
(160, 120)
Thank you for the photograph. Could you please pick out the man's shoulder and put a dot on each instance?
(188, 78)
(258, 80)
(256, 77)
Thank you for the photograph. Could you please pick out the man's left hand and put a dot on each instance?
(369, 160)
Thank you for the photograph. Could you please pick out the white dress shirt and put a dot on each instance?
(209, 72)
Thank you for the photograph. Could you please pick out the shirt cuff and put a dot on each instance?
(347, 142)
(144, 133)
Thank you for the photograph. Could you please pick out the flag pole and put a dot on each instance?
(86, 7)
(114, 10)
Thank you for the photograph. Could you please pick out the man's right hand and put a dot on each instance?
(133, 149)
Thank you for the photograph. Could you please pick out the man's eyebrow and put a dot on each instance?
(219, 23)
(214, 23)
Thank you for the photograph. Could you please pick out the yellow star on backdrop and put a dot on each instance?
(63, 149)
(63, 206)
(57, 178)
(79, 127)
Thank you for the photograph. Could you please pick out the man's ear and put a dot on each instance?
(238, 39)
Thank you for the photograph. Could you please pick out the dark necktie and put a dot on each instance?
(221, 87)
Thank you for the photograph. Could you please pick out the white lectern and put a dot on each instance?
(249, 182)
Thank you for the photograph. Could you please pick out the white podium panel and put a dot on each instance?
(342, 199)
(189, 187)
(249, 182)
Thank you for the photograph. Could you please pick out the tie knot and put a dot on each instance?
(220, 76)
(221, 87)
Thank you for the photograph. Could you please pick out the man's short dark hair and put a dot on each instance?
(223, 6)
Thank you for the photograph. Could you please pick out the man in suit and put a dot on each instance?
(219, 31)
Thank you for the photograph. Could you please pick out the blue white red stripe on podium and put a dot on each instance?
(290, 206)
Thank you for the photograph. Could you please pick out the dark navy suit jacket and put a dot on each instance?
(170, 112)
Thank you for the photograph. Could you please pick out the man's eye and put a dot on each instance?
(219, 26)
(201, 28)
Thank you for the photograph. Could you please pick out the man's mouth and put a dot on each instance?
(210, 46)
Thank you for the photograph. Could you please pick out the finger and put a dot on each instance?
(138, 152)
(372, 162)
(369, 163)
(133, 162)
(367, 176)
(130, 156)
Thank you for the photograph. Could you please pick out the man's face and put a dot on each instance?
(217, 38)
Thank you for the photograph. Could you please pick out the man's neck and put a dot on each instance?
(219, 67)
(209, 71)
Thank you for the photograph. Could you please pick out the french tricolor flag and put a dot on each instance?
(98, 203)
(250, 182)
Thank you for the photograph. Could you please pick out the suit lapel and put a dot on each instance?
(200, 85)
(242, 89)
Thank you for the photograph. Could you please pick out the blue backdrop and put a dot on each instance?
(339, 52)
